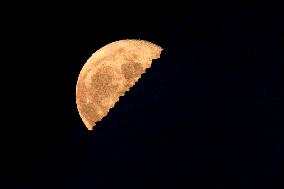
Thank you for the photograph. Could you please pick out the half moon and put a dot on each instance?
(108, 74)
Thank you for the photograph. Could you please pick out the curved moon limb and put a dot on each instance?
(108, 74)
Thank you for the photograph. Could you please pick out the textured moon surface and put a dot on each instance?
(108, 74)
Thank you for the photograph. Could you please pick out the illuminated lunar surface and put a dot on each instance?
(108, 74)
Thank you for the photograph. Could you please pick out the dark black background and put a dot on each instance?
(209, 113)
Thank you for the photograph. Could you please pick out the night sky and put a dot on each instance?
(208, 114)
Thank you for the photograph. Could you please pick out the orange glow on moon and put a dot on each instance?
(108, 74)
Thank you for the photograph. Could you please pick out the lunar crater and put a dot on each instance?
(131, 70)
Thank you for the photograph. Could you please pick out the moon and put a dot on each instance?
(109, 73)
